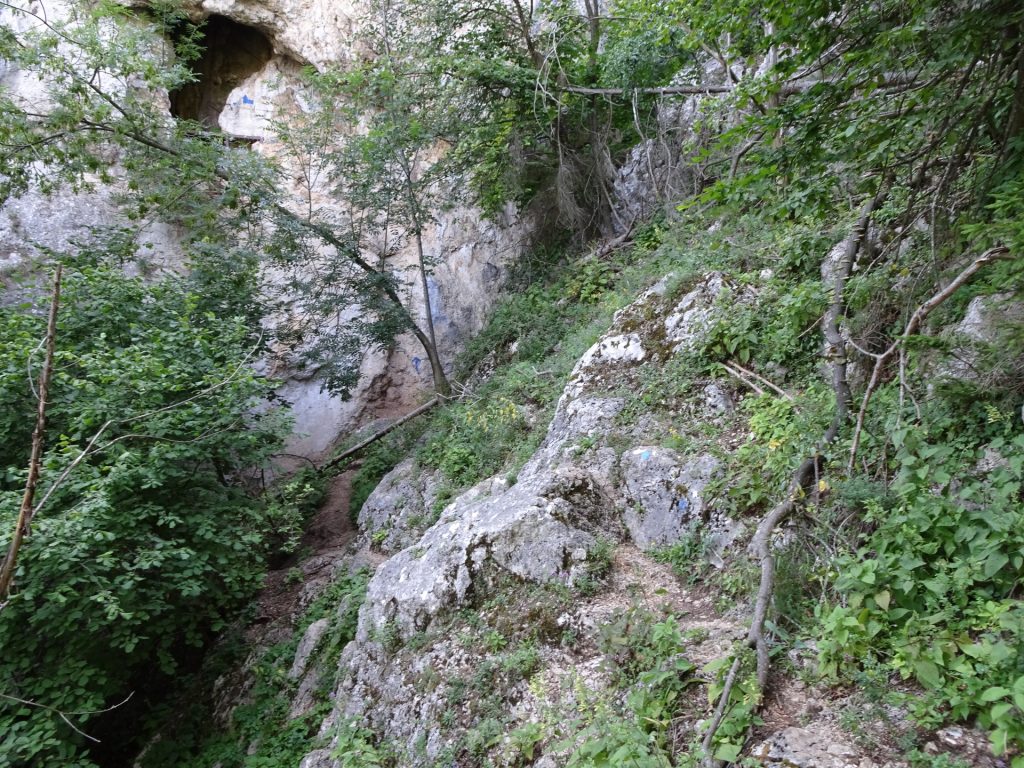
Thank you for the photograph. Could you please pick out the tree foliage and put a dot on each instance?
(150, 543)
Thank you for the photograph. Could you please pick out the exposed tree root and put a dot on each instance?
(760, 545)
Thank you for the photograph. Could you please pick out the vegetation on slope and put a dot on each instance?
(896, 126)
(148, 532)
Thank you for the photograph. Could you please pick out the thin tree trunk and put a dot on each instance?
(441, 385)
(21, 527)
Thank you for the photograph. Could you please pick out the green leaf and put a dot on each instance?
(999, 711)
(928, 673)
(1000, 739)
(728, 752)
(994, 694)
(994, 563)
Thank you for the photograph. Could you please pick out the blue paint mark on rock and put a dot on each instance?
(645, 456)
(416, 364)
(247, 100)
(683, 504)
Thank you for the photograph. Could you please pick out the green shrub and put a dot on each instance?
(152, 544)
(932, 590)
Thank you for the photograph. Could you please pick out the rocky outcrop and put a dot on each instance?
(531, 532)
(986, 323)
(576, 494)
(665, 166)
(318, 32)
(664, 493)
(803, 748)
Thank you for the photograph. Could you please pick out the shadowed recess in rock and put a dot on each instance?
(231, 53)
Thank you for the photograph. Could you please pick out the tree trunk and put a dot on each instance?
(21, 527)
(441, 385)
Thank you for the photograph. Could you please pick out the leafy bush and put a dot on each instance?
(152, 542)
(932, 590)
(289, 505)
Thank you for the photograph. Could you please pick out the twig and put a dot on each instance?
(64, 715)
(28, 367)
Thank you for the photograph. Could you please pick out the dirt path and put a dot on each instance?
(290, 587)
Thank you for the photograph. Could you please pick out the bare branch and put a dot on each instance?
(64, 715)
(992, 254)
(26, 511)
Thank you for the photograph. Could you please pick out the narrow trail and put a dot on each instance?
(288, 588)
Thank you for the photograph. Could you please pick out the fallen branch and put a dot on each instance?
(350, 452)
(992, 254)
(743, 379)
(614, 244)
(742, 373)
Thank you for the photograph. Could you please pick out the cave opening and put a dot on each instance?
(231, 53)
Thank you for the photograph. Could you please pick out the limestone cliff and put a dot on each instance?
(249, 80)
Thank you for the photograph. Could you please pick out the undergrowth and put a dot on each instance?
(260, 732)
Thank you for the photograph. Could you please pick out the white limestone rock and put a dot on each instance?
(694, 314)
(986, 318)
(665, 494)
(805, 748)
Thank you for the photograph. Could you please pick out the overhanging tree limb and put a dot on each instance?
(697, 89)
(342, 247)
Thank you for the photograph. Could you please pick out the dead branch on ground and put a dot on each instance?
(350, 452)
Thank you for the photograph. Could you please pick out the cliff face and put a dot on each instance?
(249, 80)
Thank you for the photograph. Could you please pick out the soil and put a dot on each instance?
(294, 584)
